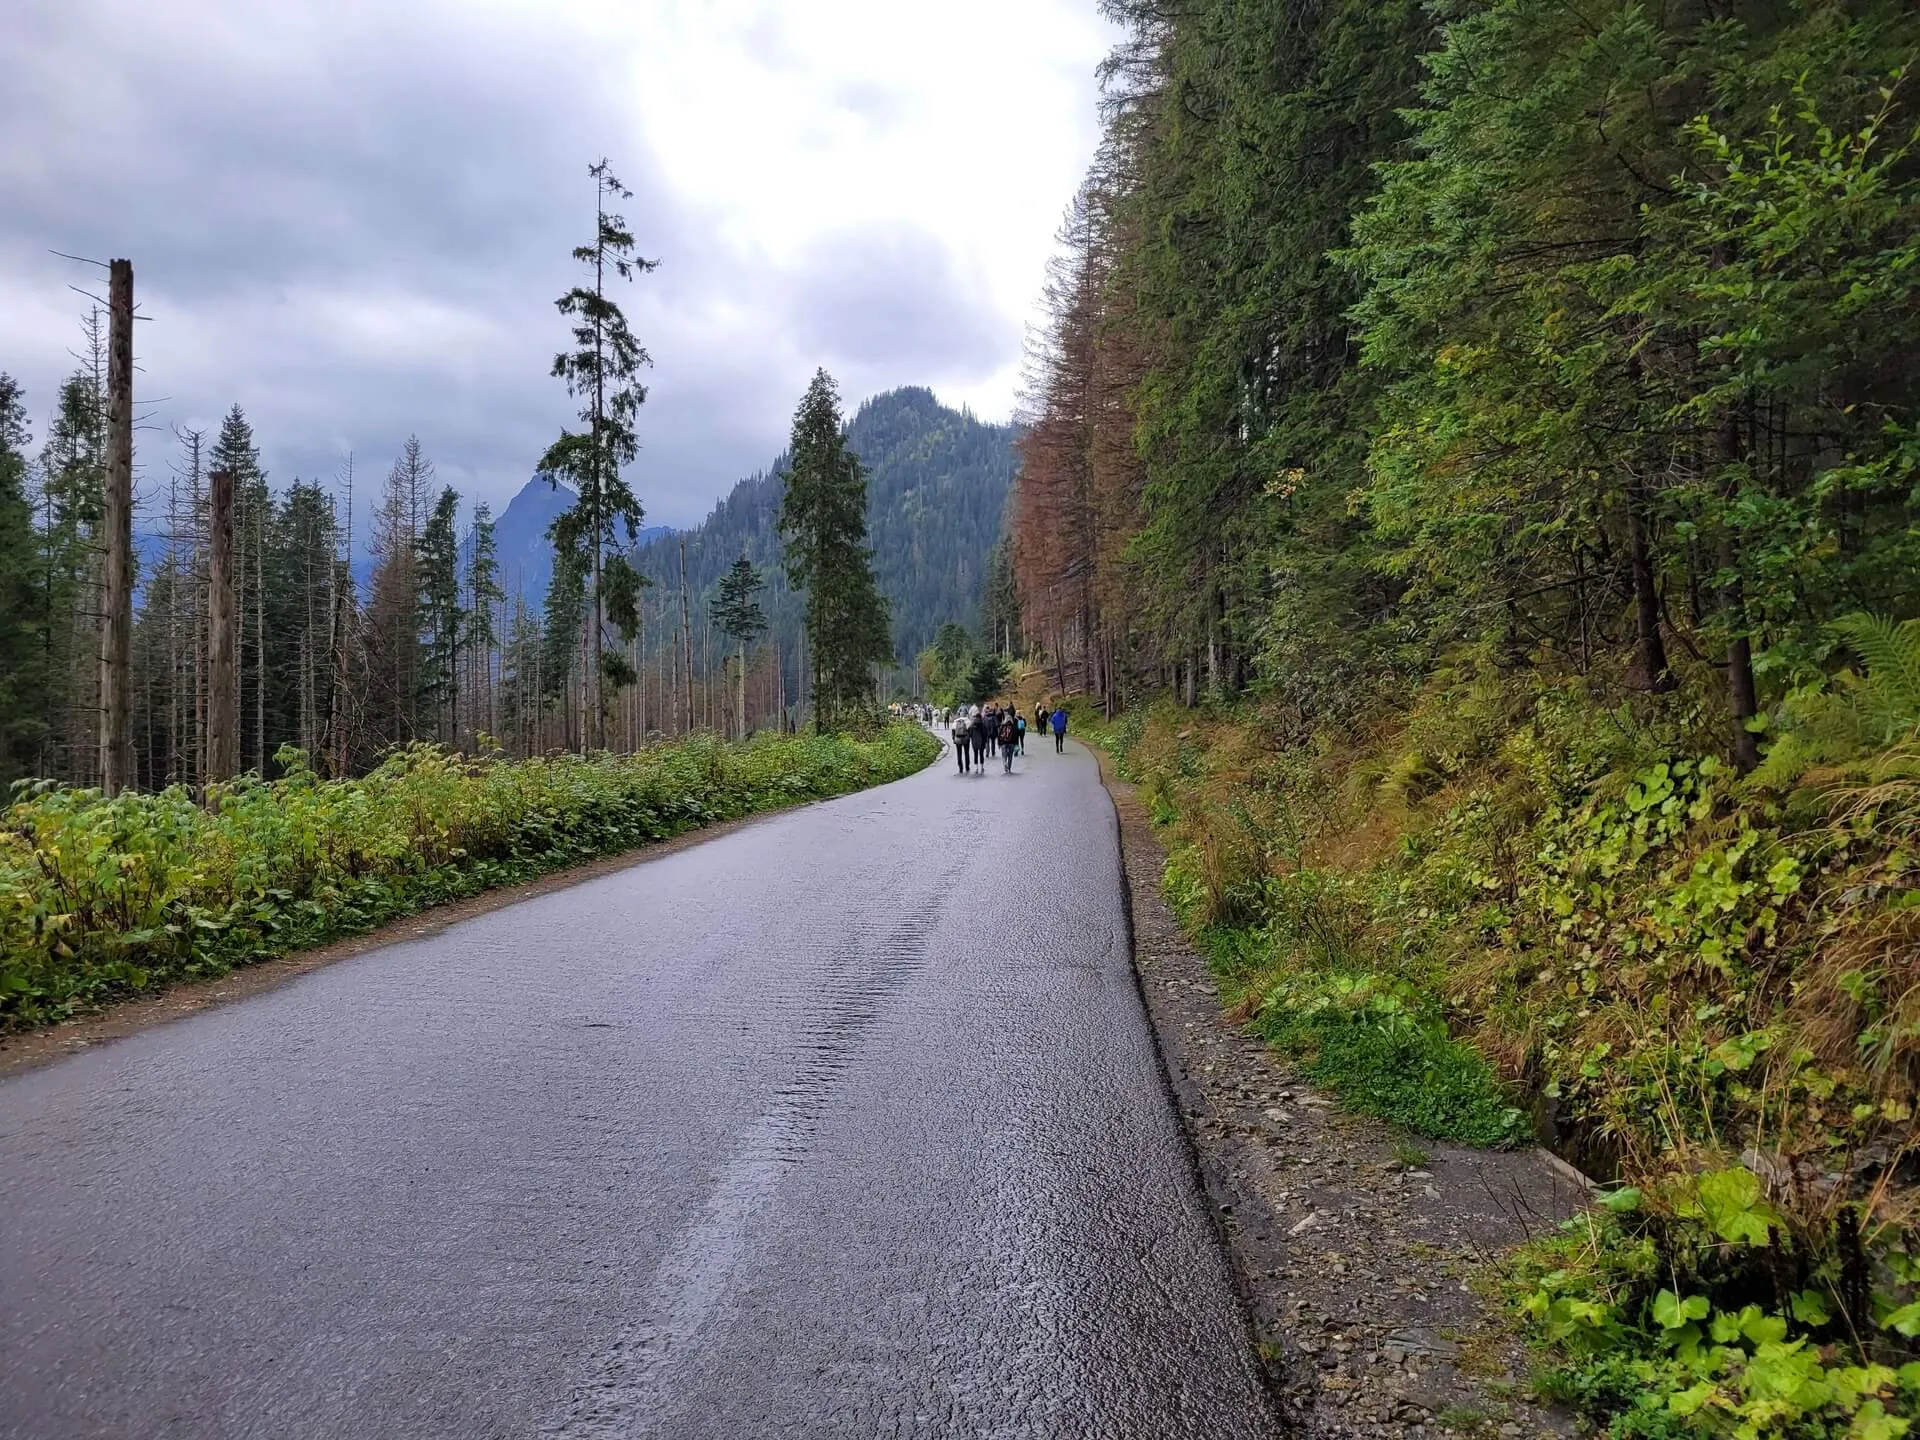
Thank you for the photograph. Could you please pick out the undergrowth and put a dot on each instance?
(105, 899)
(1704, 987)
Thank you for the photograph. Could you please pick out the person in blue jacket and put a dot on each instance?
(1060, 730)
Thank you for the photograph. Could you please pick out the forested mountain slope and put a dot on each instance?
(520, 533)
(937, 484)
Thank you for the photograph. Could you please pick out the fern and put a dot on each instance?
(1857, 713)
(1890, 694)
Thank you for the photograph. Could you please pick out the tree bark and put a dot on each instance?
(1654, 671)
(223, 687)
(686, 631)
(1742, 697)
(116, 629)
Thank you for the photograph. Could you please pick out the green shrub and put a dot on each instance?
(100, 899)
(1696, 1310)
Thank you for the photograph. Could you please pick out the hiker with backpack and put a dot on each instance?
(1009, 737)
(1020, 739)
(962, 741)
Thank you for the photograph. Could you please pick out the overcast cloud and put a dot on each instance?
(352, 216)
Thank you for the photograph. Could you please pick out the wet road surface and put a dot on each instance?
(848, 1123)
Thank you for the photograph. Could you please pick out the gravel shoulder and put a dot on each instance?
(1354, 1266)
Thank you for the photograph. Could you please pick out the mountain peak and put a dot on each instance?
(520, 536)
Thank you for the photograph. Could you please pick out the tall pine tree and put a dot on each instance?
(742, 621)
(484, 595)
(72, 473)
(600, 371)
(823, 524)
(436, 569)
(21, 722)
(234, 451)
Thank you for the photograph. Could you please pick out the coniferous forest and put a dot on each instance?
(1472, 469)
(441, 625)
(937, 487)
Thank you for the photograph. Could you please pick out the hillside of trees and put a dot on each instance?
(937, 485)
(1473, 467)
(442, 631)
(524, 548)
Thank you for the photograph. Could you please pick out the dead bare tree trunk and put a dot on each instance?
(340, 610)
(116, 629)
(686, 631)
(260, 644)
(223, 681)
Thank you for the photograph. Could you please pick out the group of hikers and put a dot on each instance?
(1001, 729)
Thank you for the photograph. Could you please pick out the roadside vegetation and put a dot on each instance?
(1507, 908)
(102, 900)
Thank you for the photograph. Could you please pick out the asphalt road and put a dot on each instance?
(848, 1123)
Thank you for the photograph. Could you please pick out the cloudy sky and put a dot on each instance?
(352, 216)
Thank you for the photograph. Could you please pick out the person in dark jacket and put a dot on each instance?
(1009, 740)
(1059, 731)
(962, 741)
(978, 730)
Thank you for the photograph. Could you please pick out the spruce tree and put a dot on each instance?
(566, 611)
(72, 473)
(742, 621)
(235, 452)
(483, 595)
(437, 616)
(301, 544)
(600, 371)
(823, 524)
(21, 698)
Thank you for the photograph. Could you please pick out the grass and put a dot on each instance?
(1385, 1051)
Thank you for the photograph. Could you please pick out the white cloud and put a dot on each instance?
(352, 215)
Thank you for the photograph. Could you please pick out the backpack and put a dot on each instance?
(1006, 731)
